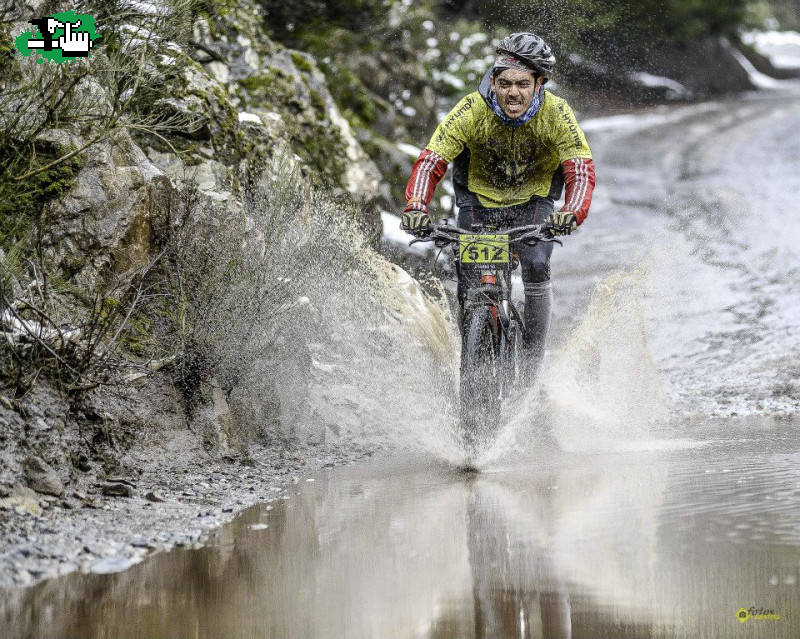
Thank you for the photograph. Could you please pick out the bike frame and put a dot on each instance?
(494, 288)
(491, 325)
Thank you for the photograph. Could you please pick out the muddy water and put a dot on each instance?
(668, 541)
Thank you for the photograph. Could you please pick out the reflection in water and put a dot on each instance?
(516, 587)
(663, 544)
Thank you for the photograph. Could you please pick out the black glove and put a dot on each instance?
(562, 222)
(416, 222)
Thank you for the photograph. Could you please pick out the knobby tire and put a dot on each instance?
(481, 377)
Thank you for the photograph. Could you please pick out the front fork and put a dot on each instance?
(501, 309)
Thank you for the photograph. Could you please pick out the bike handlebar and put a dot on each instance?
(448, 233)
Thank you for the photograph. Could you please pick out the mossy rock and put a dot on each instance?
(23, 201)
(305, 122)
(9, 60)
(302, 62)
(354, 99)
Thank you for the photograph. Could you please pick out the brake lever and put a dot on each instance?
(551, 237)
(430, 237)
(531, 235)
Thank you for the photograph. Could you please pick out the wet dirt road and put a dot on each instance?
(664, 499)
(667, 542)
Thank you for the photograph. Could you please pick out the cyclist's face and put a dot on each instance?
(514, 89)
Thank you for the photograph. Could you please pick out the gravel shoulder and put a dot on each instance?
(129, 489)
(176, 505)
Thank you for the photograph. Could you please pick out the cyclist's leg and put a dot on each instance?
(535, 263)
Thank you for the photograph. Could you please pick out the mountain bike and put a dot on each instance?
(491, 324)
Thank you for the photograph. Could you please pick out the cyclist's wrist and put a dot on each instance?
(416, 204)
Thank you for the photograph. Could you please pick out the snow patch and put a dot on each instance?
(644, 120)
(449, 79)
(147, 8)
(758, 79)
(781, 47)
(244, 116)
(409, 149)
(675, 90)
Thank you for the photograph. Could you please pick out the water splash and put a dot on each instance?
(602, 389)
(387, 372)
(365, 357)
(372, 360)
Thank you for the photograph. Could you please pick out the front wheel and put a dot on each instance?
(481, 376)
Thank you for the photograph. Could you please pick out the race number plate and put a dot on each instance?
(483, 249)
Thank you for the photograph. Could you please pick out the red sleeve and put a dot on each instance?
(428, 170)
(579, 180)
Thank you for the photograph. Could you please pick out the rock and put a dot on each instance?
(154, 496)
(83, 464)
(140, 542)
(121, 480)
(41, 424)
(22, 501)
(106, 215)
(158, 364)
(220, 71)
(215, 420)
(41, 477)
(117, 489)
(137, 379)
(361, 175)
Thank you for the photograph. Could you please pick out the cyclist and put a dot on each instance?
(514, 146)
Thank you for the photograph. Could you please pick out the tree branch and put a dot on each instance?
(63, 158)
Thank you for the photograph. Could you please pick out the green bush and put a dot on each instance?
(289, 19)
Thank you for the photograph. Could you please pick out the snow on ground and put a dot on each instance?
(674, 90)
(409, 149)
(781, 47)
(642, 120)
(759, 80)
(244, 116)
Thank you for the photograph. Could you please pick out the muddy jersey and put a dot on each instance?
(501, 165)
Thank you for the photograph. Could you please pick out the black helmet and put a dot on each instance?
(531, 50)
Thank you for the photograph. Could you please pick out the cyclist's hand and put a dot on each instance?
(562, 222)
(415, 222)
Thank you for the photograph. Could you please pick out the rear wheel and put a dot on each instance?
(481, 376)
